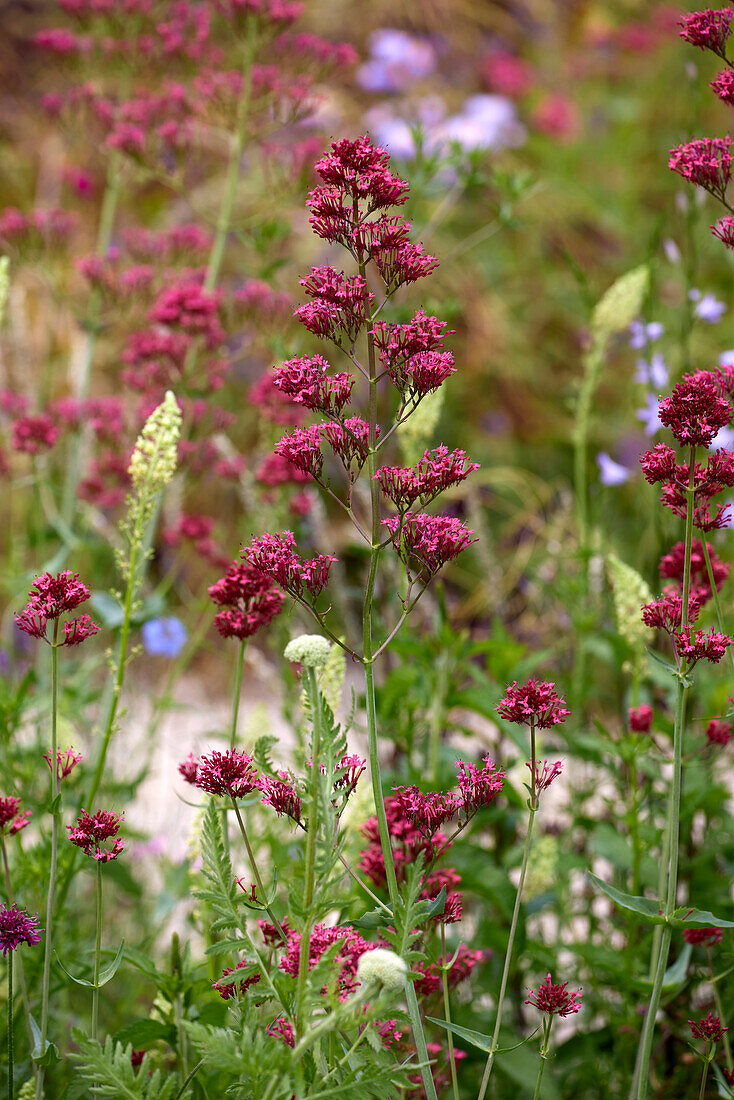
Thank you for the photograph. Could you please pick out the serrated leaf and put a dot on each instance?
(646, 908)
(109, 1071)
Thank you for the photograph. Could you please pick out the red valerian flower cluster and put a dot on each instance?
(719, 732)
(233, 988)
(554, 999)
(666, 613)
(672, 566)
(437, 471)
(708, 1028)
(706, 937)
(17, 927)
(428, 542)
(536, 703)
(11, 818)
(640, 718)
(50, 597)
(92, 832)
(274, 555)
(709, 29)
(478, 787)
(66, 761)
(248, 599)
(351, 946)
(705, 162)
(230, 773)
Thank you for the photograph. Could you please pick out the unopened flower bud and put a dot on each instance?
(155, 454)
(310, 650)
(382, 967)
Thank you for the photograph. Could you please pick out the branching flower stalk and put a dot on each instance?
(55, 815)
(538, 706)
(311, 838)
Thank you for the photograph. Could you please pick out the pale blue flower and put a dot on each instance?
(707, 307)
(642, 334)
(654, 372)
(723, 440)
(649, 415)
(397, 60)
(611, 472)
(164, 637)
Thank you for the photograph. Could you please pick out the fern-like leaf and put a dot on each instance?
(108, 1070)
(221, 891)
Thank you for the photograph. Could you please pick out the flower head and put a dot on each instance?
(92, 832)
(275, 556)
(709, 29)
(249, 601)
(719, 732)
(282, 797)
(11, 817)
(164, 636)
(230, 773)
(705, 162)
(189, 768)
(544, 776)
(478, 786)
(428, 541)
(553, 999)
(695, 410)
(382, 967)
(428, 812)
(309, 650)
(66, 761)
(17, 926)
(708, 1028)
(707, 937)
(535, 702)
(232, 988)
(640, 718)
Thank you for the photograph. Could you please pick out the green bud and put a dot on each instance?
(619, 306)
(309, 650)
(382, 967)
(155, 454)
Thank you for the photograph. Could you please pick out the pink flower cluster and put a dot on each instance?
(232, 988)
(228, 774)
(709, 29)
(50, 597)
(351, 946)
(708, 1028)
(428, 542)
(705, 162)
(534, 703)
(11, 817)
(248, 599)
(672, 566)
(554, 999)
(274, 555)
(437, 471)
(92, 832)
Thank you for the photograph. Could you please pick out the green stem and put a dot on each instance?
(256, 873)
(97, 954)
(436, 717)
(704, 1075)
(55, 791)
(447, 1013)
(635, 825)
(10, 1026)
(508, 958)
(237, 145)
(311, 836)
(720, 1013)
(237, 691)
(91, 328)
(545, 1047)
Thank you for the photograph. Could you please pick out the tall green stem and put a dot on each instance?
(237, 692)
(508, 958)
(704, 1075)
(237, 145)
(21, 971)
(545, 1048)
(673, 825)
(97, 953)
(11, 1073)
(311, 836)
(55, 792)
(447, 1013)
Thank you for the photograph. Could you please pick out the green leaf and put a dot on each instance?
(376, 918)
(698, 918)
(109, 1071)
(110, 971)
(475, 1038)
(646, 908)
(516, 1064)
(79, 981)
(50, 1055)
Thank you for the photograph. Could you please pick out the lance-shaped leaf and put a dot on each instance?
(648, 909)
(698, 918)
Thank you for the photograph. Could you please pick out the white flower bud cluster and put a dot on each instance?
(382, 967)
(155, 454)
(309, 650)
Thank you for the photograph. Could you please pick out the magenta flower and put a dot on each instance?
(430, 541)
(50, 597)
(437, 470)
(640, 718)
(248, 599)
(536, 702)
(66, 761)
(91, 834)
(306, 382)
(232, 988)
(428, 812)
(302, 448)
(708, 1028)
(189, 768)
(349, 440)
(553, 999)
(719, 732)
(283, 798)
(17, 927)
(274, 555)
(695, 410)
(34, 434)
(478, 786)
(705, 162)
(282, 1029)
(230, 773)
(709, 29)
(700, 645)
(544, 776)
(706, 937)
(10, 816)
